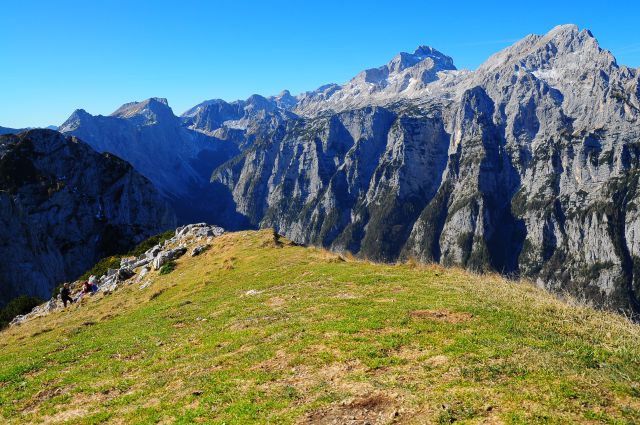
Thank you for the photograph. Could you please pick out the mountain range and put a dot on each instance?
(63, 207)
(527, 165)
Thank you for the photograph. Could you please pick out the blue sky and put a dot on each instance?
(57, 56)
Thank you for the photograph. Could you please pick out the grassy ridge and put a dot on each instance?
(254, 330)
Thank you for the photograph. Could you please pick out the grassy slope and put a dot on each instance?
(326, 340)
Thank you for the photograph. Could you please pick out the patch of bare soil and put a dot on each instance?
(65, 416)
(276, 302)
(441, 315)
(369, 409)
(80, 406)
(42, 396)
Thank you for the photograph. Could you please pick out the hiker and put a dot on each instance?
(93, 281)
(89, 286)
(86, 287)
(65, 294)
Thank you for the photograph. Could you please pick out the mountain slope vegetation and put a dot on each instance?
(258, 329)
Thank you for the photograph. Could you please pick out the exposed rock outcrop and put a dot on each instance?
(134, 270)
(63, 206)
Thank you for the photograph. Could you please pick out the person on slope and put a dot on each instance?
(86, 287)
(65, 294)
(93, 282)
(89, 286)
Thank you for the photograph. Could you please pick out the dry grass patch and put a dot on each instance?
(373, 409)
(441, 315)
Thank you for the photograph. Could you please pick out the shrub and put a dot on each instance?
(18, 306)
(102, 266)
(168, 267)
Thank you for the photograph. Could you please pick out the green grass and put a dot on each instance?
(321, 339)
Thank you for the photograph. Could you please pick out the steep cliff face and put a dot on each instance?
(63, 207)
(176, 159)
(528, 165)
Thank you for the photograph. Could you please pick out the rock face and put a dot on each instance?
(63, 206)
(528, 166)
(176, 159)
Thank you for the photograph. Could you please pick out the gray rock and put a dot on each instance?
(125, 273)
(167, 256)
(528, 166)
(176, 159)
(63, 206)
(200, 249)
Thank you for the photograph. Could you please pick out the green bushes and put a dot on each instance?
(102, 266)
(21, 305)
(168, 267)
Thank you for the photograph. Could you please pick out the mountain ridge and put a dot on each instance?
(500, 168)
(63, 207)
(257, 329)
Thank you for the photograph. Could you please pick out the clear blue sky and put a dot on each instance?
(57, 56)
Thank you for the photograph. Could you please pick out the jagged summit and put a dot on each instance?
(424, 50)
(564, 45)
(152, 109)
(194, 110)
(406, 76)
(284, 100)
(74, 121)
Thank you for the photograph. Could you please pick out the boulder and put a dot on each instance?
(125, 273)
(169, 255)
(200, 249)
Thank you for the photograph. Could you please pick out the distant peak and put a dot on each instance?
(427, 51)
(161, 100)
(564, 28)
(74, 120)
(256, 98)
(569, 31)
(156, 105)
(562, 46)
(80, 112)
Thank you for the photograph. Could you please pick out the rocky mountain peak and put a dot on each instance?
(444, 61)
(284, 100)
(216, 103)
(565, 46)
(258, 102)
(74, 121)
(425, 56)
(150, 111)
